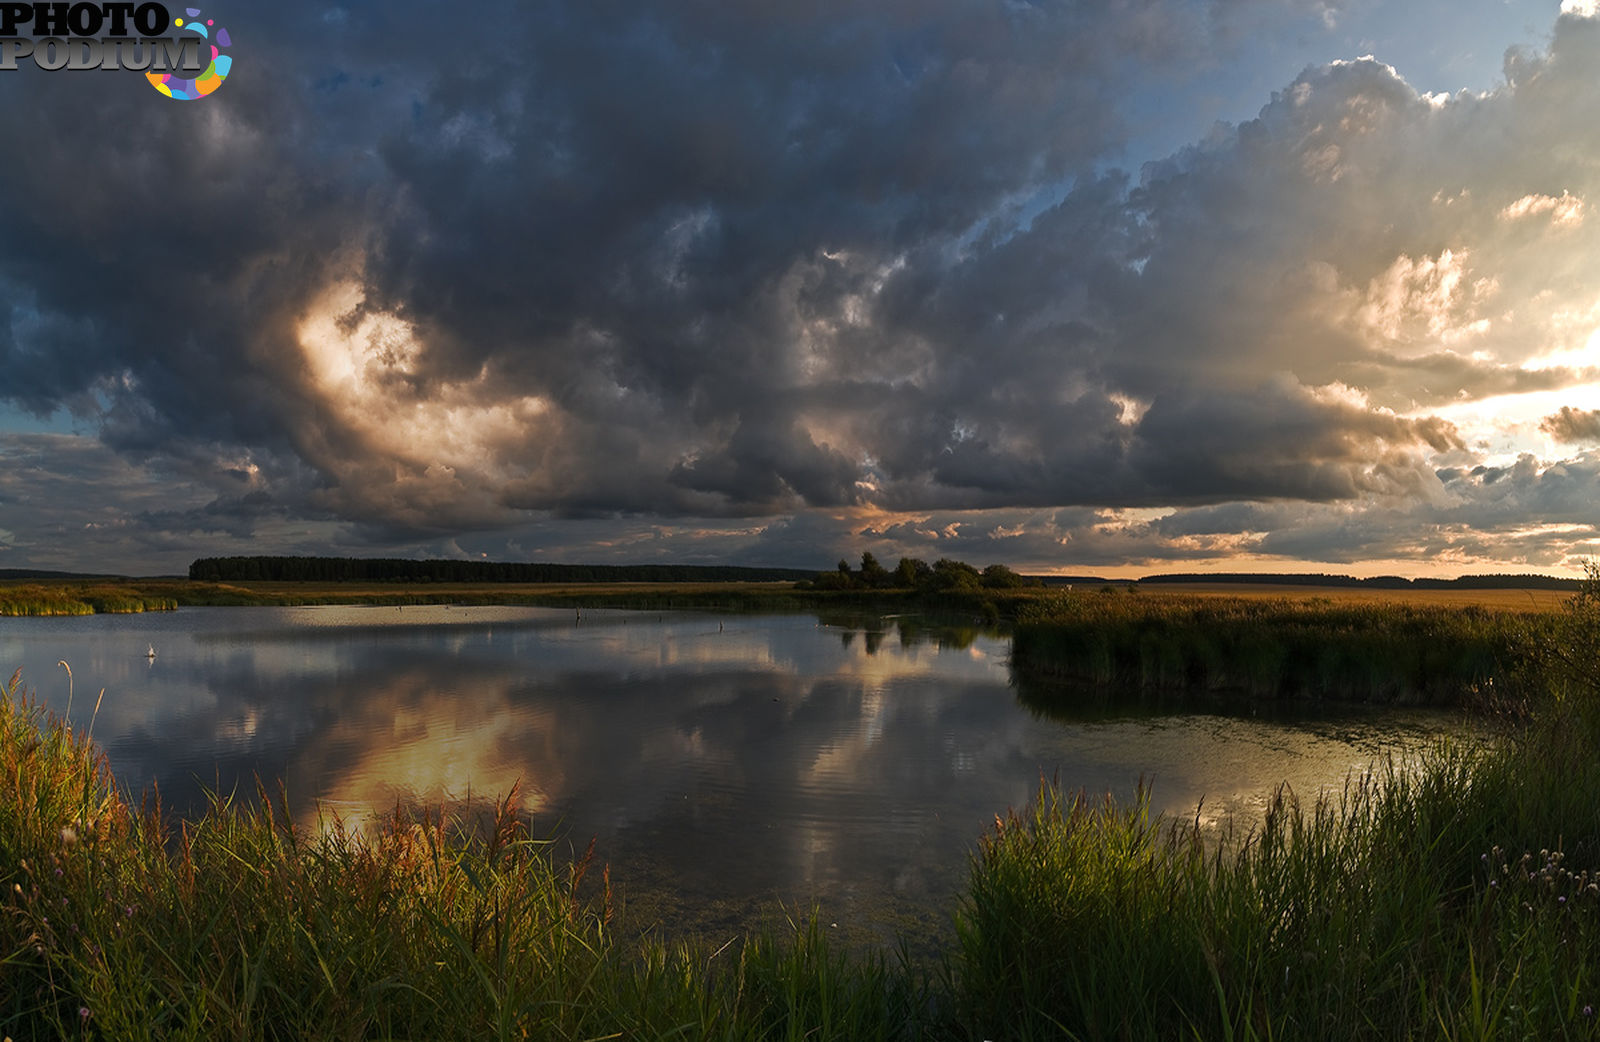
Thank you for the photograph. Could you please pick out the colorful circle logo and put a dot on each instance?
(216, 72)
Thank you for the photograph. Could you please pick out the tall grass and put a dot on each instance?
(1272, 648)
(80, 599)
(1458, 902)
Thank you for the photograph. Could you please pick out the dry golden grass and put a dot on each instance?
(1504, 600)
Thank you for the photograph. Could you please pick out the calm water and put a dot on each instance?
(723, 763)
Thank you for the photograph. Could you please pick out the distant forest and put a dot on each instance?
(390, 569)
(39, 573)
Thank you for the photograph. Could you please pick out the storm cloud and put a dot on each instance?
(750, 272)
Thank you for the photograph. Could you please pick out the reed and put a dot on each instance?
(1280, 648)
(80, 599)
(1457, 902)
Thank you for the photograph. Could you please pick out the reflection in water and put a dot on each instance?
(723, 763)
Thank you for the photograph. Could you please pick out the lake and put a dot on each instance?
(724, 764)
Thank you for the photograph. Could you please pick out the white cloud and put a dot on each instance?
(1565, 210)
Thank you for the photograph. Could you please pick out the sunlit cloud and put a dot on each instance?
(444, 443)
(1567, 210)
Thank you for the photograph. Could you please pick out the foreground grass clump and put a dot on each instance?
(243, 926)
(1435, 905)
(1273, 648)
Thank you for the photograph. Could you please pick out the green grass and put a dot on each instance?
(1455, 900)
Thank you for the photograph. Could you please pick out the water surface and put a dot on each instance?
(724, 764)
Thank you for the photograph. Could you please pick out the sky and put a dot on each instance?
(1114, 287)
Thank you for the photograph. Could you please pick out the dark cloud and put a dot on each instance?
(1572, 425)
(692, 263)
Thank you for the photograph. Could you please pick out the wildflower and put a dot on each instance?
(69, 836)
(1588, 1011)
(83, 1012)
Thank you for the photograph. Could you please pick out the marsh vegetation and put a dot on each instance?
(83, 598)
(1281, 648)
